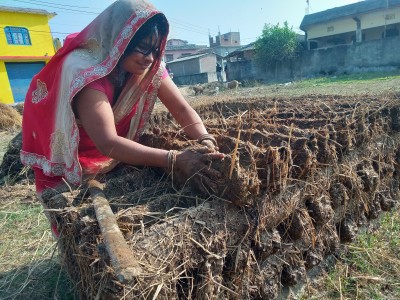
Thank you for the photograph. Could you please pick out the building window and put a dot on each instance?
(330, 29)
(17, 36)
(390, 16)
(169, 57)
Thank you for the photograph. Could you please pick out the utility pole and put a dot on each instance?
(387, 9)
(307, 7)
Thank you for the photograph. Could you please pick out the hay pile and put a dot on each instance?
(307, 173)
(10, 118)
(11, 168)
(10, 124)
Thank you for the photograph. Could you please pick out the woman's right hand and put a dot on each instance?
(196, 166)
(210, 145)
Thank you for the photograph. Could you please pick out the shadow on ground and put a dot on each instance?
(44, 280)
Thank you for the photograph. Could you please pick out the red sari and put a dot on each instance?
(53, 142)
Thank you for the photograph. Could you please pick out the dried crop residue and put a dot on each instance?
(10, 118)
(306, 173)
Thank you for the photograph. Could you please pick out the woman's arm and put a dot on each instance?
(182, 112)
(96, 115)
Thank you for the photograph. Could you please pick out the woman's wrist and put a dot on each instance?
(171, 160)
(207, 136)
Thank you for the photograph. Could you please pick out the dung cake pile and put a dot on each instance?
(300, 177)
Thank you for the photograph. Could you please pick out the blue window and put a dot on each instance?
(17, 36)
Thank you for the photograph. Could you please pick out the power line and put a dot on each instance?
(188, 24)
(180, 24)
(183, 24)
(177, 24)
(62, 8)
(188, 29)
(75, 6)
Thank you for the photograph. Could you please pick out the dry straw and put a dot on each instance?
(10, 118)
(197, 247)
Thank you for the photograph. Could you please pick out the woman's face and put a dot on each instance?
(142, 56)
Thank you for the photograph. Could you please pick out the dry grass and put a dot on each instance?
(367, 269)
(10, 118)
(28, 268)
(29, 262)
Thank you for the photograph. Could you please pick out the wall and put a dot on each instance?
(42, 44)
(339, 26)
(367, 56)
(381, 18)
(195, 79)
(377, 55)
(6, 95)
(184, 67)
(230, 39)
(244, 70)
(368, 21)
(193, 65)
(39, 31)
(179, 53)
(207, 63)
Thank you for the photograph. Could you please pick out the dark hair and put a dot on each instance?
(156, 26)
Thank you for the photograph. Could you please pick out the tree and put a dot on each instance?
(276, 45)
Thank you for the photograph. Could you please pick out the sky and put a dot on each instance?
(190, 20)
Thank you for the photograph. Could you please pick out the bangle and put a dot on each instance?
(207, 136)
(171, 160)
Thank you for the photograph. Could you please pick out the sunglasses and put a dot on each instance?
(147, 51)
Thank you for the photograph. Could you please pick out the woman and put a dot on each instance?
(85, 111)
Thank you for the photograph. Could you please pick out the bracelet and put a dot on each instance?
(207, 136)
(171, 161)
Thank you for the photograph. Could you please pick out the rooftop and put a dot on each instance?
(190, 57)
(27, 11)
(185, 47)
(346, 11)
(241, 49)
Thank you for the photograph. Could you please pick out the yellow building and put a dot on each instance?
(353, 23)
(26, 45)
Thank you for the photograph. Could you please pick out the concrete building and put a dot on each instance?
(224, 43)
(243, 53)
(194, 69)
(26, 45)
(354, 23)
(177, 48)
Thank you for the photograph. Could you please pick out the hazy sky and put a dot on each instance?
(190, 20)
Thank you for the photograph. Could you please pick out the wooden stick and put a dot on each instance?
(122, 260)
